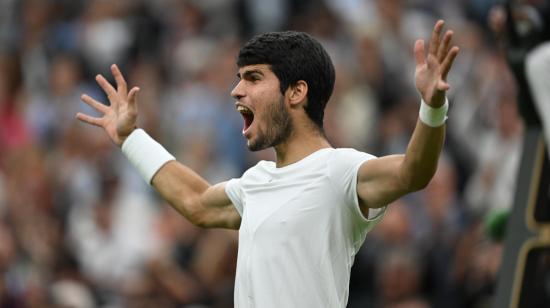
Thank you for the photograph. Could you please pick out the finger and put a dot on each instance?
(120, 82)
(434, 41)
(444, 48)
(90, 120)
(448, 62)
(105, 85)
(419, 53)
(132, 97)
(94, 104)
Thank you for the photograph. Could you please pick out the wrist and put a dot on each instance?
(435, 100)
(147, 155)
(433, 116)
(122, 138)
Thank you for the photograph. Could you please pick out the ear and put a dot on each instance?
(297, 93)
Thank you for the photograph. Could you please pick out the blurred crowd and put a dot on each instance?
(80, 228)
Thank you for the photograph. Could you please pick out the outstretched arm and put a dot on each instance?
(185, 190)
(385, 179)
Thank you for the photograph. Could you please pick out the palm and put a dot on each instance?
(119, 119)
(431, 71)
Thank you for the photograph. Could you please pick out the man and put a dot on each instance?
(301, 219)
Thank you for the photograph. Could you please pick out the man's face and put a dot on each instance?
(267, 122)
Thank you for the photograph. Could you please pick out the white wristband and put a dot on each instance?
(433, 117)
(147, 155)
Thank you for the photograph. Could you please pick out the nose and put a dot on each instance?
(238, 91)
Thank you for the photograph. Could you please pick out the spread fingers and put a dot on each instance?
(94, 104)
(90, 120)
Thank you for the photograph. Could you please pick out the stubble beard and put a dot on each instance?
(278, 127)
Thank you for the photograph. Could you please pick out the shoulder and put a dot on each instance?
(349, 156)
(254, 174)
(262, 168)
(344, 163)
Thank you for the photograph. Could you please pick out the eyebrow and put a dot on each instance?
(247, 73)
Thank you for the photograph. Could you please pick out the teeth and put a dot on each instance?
(243, 109)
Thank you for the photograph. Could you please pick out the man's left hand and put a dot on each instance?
(431, 71)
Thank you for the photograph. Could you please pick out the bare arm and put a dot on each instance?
(185, 190)
(385, 179)
(188, 193)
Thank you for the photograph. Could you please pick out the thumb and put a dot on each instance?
(443, 86)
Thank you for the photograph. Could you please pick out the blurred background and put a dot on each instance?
(80, 228)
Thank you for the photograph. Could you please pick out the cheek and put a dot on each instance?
(268, 92)
(267, 97)
(267, 102)
(274, 111)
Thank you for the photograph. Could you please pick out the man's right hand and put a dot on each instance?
(120, 117)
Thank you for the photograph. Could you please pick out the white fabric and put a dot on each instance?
(433, 117)
(147, 155)
(301, 228)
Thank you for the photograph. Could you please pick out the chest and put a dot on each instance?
(279, 207)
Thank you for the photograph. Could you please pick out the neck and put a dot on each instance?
(300, 144)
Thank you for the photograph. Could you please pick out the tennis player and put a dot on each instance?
(301, 219)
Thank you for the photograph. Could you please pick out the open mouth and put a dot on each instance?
(248, 116)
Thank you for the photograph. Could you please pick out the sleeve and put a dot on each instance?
(234, 191)
(343, 169)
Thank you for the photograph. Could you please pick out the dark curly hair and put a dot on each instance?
(294, 56)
